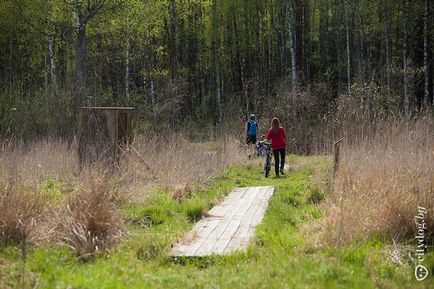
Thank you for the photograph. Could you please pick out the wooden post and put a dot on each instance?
(336, 147)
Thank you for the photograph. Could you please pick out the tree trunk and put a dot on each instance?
(404, 60)
(218, 91)
(425, 56)
(292, 49)
(53, 70)
(387, 37)
(348, 48)
(306, 39)
(172, 41)
(45, 72)
(10, 63)
(215, 51)
(127, 68)
(298, 35)
(269, 63)
(361, 54)
(282, 41)
(241, 62)
(202, 82)
(258, 61)
(80, 61)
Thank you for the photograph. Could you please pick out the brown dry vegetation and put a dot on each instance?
(21, 211)
(385, 174)
(80, 209)
(90, 223)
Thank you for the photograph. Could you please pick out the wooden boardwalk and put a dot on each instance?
(229, 226)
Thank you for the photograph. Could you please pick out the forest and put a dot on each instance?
(181, 63)
(123, 154)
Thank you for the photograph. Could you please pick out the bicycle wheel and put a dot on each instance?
(267, 166)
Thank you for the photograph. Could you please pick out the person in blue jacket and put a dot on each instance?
(252, 128)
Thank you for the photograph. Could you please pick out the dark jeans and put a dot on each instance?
(251, 139)
(276, 153)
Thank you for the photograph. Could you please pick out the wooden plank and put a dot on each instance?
(238, 238)
(234, 225)
(207, 247)
(230, 225)
(222, 208)
(202, 230)
(228, 228)
(253, 218)
(190, 248)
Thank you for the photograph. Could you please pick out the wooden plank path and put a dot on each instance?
(229, 226)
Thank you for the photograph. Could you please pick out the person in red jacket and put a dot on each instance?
(278, 144)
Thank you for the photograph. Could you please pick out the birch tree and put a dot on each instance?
(291, 47)
(216, 56)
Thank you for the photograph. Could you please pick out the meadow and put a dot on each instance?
(64, 229)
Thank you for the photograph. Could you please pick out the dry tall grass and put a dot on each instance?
(30, 163)
(382, 180)
(90, 223)
(87, 217)
(21, 211)
(178, 164)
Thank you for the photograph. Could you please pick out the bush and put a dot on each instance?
(91, 223)
(21, 209)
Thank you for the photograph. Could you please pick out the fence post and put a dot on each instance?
(336, 147)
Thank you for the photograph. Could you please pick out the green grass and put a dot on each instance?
(194, 208)
(280, 256)
(54, 191)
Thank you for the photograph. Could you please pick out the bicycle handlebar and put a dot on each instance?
(264, 142)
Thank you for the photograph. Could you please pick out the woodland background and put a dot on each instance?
(194, 66)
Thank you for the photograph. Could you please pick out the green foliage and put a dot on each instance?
(316, 196)
(180, 54)
(151, 248)
(152, 215)
(194, 209)
(51, 190)
(27, 116)
(159, 208)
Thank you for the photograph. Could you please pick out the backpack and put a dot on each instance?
(252, 128)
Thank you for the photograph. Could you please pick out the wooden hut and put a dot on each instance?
(103, 133)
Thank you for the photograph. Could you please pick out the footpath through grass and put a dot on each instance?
(280, 256)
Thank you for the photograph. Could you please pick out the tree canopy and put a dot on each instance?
(183, 61)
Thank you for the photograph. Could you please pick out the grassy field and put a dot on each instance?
(284, 253)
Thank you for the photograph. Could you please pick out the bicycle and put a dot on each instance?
(268, 157)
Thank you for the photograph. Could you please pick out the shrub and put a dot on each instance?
(91, 223)
(21, 209)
